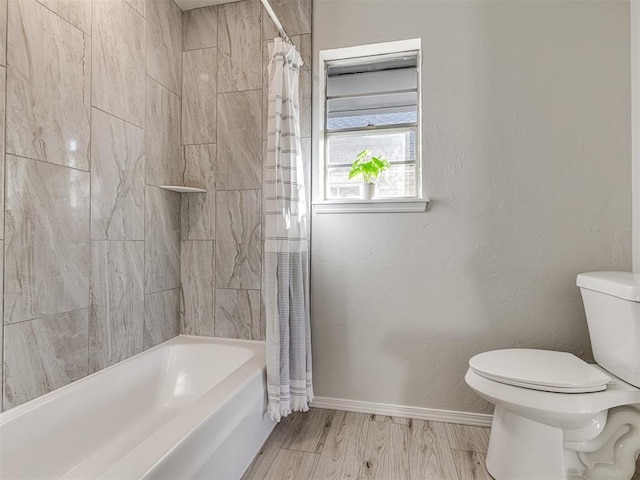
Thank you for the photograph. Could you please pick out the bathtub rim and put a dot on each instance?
(65, 390)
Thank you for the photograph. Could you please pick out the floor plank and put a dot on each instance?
(384, 418)
(386, 455)
(471, 465)
(465, 437)
(343, 452)
(292, 465)
(430, 457)
(309, 430)
(260, 465)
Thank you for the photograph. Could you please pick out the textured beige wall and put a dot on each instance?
(527, 161)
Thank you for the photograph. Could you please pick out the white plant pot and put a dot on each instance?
(367, 191)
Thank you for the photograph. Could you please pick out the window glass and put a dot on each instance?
(372, 104)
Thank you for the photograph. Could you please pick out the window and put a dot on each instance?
(371, 101)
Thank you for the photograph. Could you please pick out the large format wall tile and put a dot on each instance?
(139, 5)
(44, 354)
(162, 240)
(118, 60)
(196, 308)
(48, 82)
(1, 323)
(239, 46)
(3, 85)
(199, 96)
(240, 140)
(200, 28)
(76, 12)
(3, 33)
(163, 159)
(117, 302)
(117, 179)
(295, 16)
(47, 240)
(164, 43)
(161, 317)
(238, 239)
(199, 209)
(238, 314)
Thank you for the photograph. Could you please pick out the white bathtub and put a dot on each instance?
(191, 407)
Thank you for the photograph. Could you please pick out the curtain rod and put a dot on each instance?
(275, 19)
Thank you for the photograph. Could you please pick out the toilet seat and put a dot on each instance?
(543, 370)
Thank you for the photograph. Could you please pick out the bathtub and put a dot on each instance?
(191, 407)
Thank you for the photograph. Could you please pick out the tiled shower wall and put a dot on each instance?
(224, 118)
(92, 90)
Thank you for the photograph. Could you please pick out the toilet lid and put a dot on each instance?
(540, 370)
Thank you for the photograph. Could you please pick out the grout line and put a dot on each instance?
(45, 162)
(162, 291)
(62, 18)
(111, 114)
(179, 95)
(47, 315)
(240, 91)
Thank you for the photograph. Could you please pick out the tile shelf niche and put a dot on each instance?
(179, 189)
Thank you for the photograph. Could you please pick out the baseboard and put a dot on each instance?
(419, 413)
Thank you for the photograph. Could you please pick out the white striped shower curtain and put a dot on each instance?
(286, 249)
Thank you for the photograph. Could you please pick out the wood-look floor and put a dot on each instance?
(329, 444)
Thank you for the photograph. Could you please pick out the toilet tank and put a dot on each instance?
(612, 306)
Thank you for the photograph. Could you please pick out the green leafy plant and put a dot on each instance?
(368, 166)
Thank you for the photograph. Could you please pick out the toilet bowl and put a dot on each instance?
(557, 417)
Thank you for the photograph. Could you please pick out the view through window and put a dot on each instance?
(372, 103)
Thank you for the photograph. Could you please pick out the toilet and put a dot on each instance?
(557, 417)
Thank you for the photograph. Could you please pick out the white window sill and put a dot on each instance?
(380, 205)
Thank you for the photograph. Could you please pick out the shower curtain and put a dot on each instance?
(286, 249)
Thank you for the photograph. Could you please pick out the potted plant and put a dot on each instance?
(370, 168)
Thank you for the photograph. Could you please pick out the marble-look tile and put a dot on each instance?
(1, 323)
(140, 6)
(3, 84)
(163, 160)
(118, 60)
(161, 317)
(3, 32)
(295, 16)
(117, 179)
(238, 314)
(197, 292)
(200, 28)
(162, 240)
(164, 43)
(45, 52)
(44, 354)
(238, 239)
(47, 240)
(76, 12)
(199, 209)
(240, 140)
(239, 46)
(117, 302)
(199, 96)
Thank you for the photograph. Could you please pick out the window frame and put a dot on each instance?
(326, 205)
